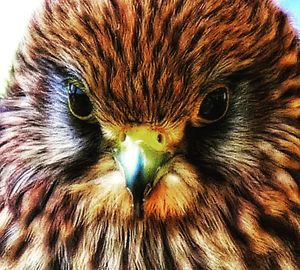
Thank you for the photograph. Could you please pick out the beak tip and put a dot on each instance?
(138, 209)
(137, 191)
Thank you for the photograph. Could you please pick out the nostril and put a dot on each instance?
(122, 136)
(160, 138)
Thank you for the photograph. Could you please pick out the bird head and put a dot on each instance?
(146, 114)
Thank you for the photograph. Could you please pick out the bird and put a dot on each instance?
(152, 134)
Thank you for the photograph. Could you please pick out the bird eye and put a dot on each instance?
(214, 105)
(79, 103)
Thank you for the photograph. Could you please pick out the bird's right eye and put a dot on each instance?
(79, 103)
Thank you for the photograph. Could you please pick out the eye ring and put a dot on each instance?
(78, 101)
(214, 105)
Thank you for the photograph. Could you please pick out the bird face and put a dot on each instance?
(137, 89)
(159, 129)
(146, 157)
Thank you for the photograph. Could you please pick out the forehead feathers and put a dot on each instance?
(150, 60)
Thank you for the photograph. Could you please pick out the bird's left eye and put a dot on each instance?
(214, 105)
(79, 103)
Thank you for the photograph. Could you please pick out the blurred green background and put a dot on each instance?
(14, 15)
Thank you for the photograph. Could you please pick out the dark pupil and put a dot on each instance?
(79, 101)
(214, 105)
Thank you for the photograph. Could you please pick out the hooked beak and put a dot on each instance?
(141, 154)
